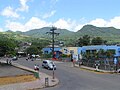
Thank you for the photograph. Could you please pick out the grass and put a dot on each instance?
(16, 79)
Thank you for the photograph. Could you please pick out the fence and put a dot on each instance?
(110, 66)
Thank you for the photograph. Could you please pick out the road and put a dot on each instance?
(72, 78)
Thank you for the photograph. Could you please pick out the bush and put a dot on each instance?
(64, 55)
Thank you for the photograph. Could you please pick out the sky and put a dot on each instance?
(24, 15)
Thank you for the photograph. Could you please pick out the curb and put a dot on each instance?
(94, 70)
(31, 70)
(46, 86)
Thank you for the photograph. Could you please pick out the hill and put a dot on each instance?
(14, 35)
(42, 32)
(110, 34)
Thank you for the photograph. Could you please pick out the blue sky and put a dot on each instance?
(24, 15)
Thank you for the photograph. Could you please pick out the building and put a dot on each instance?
(77, 51)
(98, 47)
(48, 50)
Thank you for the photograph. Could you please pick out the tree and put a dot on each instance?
(32, 50)
(110, 53)
(7, 46)
(102, 53)
(98, 41)
(84, 41)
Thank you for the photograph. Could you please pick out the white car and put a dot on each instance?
(48, 64)
(118, 70)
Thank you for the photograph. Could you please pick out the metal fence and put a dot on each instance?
(102, 64)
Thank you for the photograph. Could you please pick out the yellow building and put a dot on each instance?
(69, 51)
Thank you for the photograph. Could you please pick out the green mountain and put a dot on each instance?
(110, 34)
(43, 32)
(13, 35)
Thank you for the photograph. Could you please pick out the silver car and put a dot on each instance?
(48, 64)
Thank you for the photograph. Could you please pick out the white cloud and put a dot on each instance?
(64, 24)
(98, 22)
(1, 30)
(15, 26)
(78, 27)
(115, 22)
(9, 12)
(35, 23)
(61, 23)
(50, 14)
(24, 6)
(68, 24)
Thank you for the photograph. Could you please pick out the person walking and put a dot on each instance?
(35, 67)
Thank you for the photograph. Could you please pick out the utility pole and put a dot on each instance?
(53, 33)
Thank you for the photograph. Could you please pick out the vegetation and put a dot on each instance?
(88, 35)
(9, 41)
(99, 54)
(98, 41)
(32, 50)
(86, 40)
(7, 46)
(91, 57)
(110, 34)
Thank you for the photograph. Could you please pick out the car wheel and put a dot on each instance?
(48, 68)
(42, 66)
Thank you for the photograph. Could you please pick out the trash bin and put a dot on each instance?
(46, 81)
(36, 74)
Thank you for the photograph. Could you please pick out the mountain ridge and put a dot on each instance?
(110, 34)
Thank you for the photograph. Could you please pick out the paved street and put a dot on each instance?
(78, 79)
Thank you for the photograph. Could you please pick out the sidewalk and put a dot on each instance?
(38, 84)
(94, 69)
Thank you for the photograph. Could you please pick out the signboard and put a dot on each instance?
(75, 57)
(115, 60)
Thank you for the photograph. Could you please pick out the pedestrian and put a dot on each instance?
(97, 66)
(35, 67)
(73, 63)
(10, 61)
(7, 61)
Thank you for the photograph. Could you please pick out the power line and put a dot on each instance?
(53, 33)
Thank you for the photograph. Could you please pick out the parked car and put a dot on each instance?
(48, 64)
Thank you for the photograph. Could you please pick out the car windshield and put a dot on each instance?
(52, 63)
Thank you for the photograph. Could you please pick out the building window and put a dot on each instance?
(72, 51)
(46, 52)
